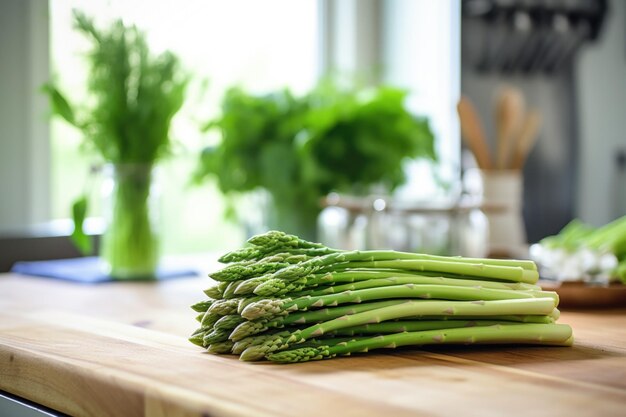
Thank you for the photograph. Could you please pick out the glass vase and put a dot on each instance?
(290, 214)
(131, 242)
(294, 219)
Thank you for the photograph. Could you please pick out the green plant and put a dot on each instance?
(300, 148)
(133, 97)
(578, 240)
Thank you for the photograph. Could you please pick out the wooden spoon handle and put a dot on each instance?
(473, 133)
(509, 113)
(527, 138)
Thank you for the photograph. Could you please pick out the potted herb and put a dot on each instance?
(300, 148)
(126, 121)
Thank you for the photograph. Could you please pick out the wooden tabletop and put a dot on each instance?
(121, 350)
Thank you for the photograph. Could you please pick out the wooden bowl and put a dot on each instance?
(582, 295)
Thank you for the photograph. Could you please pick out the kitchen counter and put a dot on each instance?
(120, 349)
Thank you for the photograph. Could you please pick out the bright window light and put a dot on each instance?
(260, 45)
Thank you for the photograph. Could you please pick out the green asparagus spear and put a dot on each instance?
(268, 308)
(539, 334)
(537, 306)
(389, 259)
(224, 347)
(224, 307)
(202, 306)
(276, 287)
(250, 328)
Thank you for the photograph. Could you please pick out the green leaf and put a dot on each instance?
(299, 148)
(79, 237)
(59, 104)
(133, 95)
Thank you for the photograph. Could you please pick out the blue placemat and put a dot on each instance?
(89, 270)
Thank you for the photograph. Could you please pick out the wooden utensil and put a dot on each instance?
(509, 115)
(526, 139)
(473, 133)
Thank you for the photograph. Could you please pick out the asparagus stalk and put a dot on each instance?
(236, 272)
(401, 326)
(255, 340)
(276, 239)
(228, 322)
(485, 271)
(209, 319)
(270, 285)
(231, 288)
(252, 327)
(415, 281)
(370, 329)
(249, 286)
(519, 318)
(213, 292)
(197, 336)
(368, 279)
(526, 306)
(273, 241)
(540, 334)
(256, 254)
(224, 307)
(421, 279)
(270, 243)
(259, 307)
(224, 347)
(279, 264)
(202, 306)
(403, 309)
(266, 265)
(375, 329)
(215, 336)
(268, 308)
(276, 286)
(384, 259)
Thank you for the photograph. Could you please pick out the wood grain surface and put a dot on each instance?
(120, 350)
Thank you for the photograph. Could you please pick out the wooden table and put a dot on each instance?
(121, 350)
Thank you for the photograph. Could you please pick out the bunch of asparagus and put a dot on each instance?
(580, 252)
(286, 300)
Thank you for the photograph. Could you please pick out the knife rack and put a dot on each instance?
(529, 36)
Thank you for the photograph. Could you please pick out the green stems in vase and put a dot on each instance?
(133, 96)
(294, 215)
(130, 246)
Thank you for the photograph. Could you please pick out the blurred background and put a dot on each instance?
(565, 59)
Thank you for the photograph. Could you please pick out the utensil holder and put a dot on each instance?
(502, 192)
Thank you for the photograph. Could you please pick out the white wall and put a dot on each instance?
(24, 139)
(601, 83)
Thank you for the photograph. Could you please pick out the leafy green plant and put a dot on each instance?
(133, 97)
(299, 149)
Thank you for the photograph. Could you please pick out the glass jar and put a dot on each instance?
(382, 223)
(502, 203)
(130, 246)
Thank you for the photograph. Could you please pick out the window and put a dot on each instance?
(259, 45)
(262, 45)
